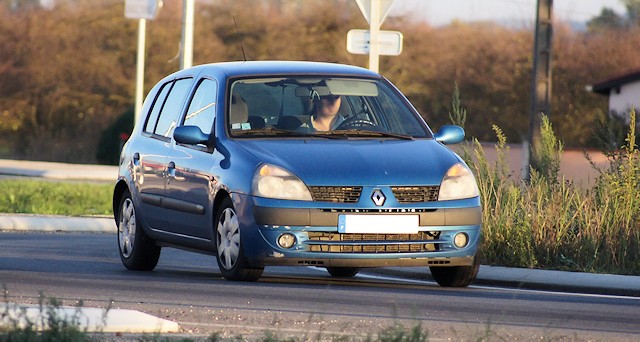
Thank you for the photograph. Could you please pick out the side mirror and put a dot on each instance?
(449, 134)
(190, 135)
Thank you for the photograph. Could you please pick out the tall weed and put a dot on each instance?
(458, 115)
(550, 222)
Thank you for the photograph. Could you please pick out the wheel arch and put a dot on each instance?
(118, 191)
(220, 196)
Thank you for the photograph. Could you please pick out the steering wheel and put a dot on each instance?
(354, 122)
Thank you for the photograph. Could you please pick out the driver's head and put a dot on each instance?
(328, 105)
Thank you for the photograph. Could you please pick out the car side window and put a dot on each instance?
(152, 121)
(202, 109)
(171, 109)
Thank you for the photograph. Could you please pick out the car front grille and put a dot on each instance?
(415, 194)
(351, 194)
(336, 194)
(373, 243)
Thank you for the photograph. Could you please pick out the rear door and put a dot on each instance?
(152, 152)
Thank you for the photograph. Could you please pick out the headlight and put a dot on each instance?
(274, 182)
(458, 183)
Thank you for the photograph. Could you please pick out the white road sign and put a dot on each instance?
(389, 42)
(141, 9)
(365, 8)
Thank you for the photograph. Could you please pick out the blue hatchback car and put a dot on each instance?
(294, 163)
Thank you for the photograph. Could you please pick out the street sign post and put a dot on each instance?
(374, 11)
(389, 42)
(141, 10)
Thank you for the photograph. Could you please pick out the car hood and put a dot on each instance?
(355, 162)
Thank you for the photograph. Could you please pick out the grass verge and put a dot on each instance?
(26, 196)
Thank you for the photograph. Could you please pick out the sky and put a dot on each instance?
(442, 12)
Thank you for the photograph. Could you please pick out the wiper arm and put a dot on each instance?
(268, 131)
(357, 132)
(282, 132)
(262, 131)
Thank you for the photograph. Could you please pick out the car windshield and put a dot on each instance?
(322, 107)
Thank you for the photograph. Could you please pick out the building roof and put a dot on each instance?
(604, 86)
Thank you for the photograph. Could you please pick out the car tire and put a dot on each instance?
(229, 249)
(137, 250)
(456, 276)
(342, 272)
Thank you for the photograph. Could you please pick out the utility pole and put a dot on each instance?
(541, 81)
(186, 46)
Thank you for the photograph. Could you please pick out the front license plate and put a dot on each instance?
(378, 224)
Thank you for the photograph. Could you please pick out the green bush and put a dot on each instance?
(113, 138)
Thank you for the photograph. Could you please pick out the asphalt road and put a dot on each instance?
(304, 302)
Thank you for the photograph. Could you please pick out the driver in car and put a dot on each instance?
(325, 115)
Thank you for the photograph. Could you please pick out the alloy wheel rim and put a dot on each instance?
(127, 228)
(228, 231)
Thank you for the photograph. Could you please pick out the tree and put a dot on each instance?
(607, 20)
(633, 11)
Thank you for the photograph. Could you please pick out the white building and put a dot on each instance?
(623, 92)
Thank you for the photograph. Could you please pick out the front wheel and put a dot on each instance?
(231, 260)
(456, 276)
(137, 250)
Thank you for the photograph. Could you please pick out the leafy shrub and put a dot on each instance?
(113, 138)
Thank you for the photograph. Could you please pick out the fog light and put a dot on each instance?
(286, 240)
(461, 240)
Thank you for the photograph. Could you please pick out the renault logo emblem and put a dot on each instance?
(378, 197)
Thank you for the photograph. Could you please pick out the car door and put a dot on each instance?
(151, 153)
(191, 169)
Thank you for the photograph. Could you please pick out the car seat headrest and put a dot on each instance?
(238, 110)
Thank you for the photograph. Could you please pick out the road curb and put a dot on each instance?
(92, 320)
(60, 171)
(54, 223)
(534, 279)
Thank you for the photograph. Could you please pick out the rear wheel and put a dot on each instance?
(137, 250)
(456, 276)
(231, 260)
(342, 272)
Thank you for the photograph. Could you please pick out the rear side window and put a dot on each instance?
(166, 110)
(152, 121)
(202, 109)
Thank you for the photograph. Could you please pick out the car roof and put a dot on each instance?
(257, 68)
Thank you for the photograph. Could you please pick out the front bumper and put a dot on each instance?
(318, 242)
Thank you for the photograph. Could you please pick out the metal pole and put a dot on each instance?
(186, 60)
(374, 33)
(142, 28)
(541, 80)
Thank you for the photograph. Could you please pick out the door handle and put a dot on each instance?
(136, 159)
(171, 169)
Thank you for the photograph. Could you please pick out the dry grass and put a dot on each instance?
(552, 223)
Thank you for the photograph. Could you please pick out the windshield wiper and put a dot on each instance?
(367, 133)
(337, 134)
(280, 132)
(267, 131)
